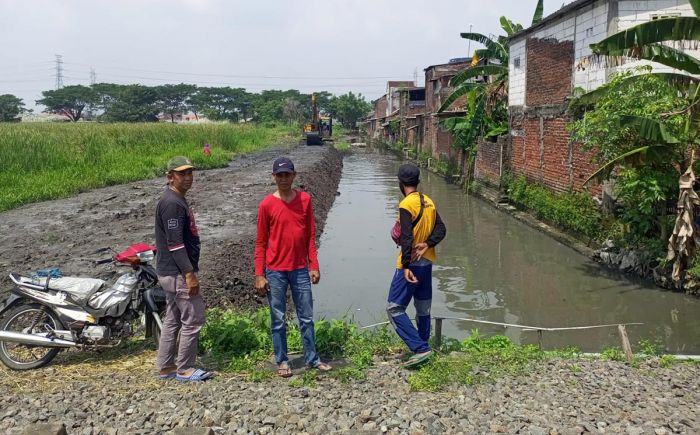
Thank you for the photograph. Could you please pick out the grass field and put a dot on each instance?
(47, 161)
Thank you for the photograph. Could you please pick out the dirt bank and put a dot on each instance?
(65, 233)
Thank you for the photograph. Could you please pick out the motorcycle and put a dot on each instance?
(44, 315)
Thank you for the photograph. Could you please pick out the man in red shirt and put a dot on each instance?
(285, 256)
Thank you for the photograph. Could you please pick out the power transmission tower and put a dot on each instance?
(59, 71)
(93, 76)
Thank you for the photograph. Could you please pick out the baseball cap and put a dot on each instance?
(282, 164)
(179, 163)
(409, 174)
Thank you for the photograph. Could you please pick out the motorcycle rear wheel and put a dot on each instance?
(28, 318)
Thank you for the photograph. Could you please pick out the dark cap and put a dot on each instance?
(409, 174)
(283, 164)
(179, 163)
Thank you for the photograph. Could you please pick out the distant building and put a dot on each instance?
(180, 118)
(44, 117)
(436, 139)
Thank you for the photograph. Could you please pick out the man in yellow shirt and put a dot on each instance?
(421, 230)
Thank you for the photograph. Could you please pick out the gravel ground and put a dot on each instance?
(120, 395)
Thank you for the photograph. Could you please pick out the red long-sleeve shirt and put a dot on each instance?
(286, 235)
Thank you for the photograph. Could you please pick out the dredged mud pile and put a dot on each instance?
(66, 233)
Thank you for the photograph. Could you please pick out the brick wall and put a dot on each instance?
(436, 140)
(542, 151)
(443, 142)
(549, 71)
(489, 158)
(380, 108)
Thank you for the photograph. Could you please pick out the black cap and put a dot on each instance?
(409, 174)
(283, 164)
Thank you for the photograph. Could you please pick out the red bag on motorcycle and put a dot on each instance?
(130, 254)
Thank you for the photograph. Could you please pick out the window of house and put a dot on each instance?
(437, 85)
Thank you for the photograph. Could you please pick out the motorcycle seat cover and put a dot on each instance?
(79, 288)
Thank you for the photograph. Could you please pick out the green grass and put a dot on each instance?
(47, 161)
(477, 359)
(342, 146)
(239, 341)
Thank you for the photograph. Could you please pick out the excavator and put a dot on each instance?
(320, 128)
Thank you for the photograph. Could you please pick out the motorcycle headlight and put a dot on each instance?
(146, 256)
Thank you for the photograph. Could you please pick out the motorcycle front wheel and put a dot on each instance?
(28, 319)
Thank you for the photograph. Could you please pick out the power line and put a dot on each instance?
(245, 76)
(24, 80)
(238, 84)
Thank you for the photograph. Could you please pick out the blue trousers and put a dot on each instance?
(300, 283)
(400, 294)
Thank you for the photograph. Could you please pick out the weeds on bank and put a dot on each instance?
(239, 342)
(571, 211)
(477, 359)
(342, 146)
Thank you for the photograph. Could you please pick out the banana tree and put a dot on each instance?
(495, 51)
(662, 41)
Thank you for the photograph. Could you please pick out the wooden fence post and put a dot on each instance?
(625, 343)
(438, 332)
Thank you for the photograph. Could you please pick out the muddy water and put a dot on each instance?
(490, 267)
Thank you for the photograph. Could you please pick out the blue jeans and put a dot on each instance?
(300, 282)
(400, 294)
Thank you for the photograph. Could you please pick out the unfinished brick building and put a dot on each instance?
(436, 139)
(550, 59)
(373, 124)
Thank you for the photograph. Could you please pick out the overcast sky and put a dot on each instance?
(309, 45)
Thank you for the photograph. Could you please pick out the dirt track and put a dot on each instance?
(65, 233)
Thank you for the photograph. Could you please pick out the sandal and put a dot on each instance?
(168, 375)
(322, 367)
(283, 370)
(198, 375)
(418, 359)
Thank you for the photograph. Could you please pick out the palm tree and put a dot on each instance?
(662, 41)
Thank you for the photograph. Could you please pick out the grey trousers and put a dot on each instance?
(184, 317)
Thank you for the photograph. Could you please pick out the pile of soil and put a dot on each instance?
(66, 233)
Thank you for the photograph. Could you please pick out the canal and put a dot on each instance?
(490, 267)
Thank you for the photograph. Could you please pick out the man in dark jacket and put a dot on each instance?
(177, 240)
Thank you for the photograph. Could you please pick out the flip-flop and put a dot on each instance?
(417, 360)
(167, 376)
(198, 375)
(322, 367)
(284, 371)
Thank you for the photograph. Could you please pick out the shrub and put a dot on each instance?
(573, 211)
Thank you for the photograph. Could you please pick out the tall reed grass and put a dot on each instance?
(46, 161)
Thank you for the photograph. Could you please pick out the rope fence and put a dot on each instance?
(621, 327)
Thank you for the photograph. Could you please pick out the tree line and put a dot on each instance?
(109, 102)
